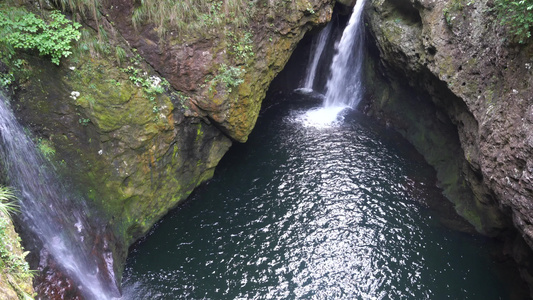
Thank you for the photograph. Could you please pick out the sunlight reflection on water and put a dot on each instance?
(309, 212)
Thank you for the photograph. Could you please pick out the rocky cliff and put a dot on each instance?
(463, 73)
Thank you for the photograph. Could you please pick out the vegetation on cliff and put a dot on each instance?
(518, 15)
(51, 34)
(15, 275)
(192, 16)
(20, 29)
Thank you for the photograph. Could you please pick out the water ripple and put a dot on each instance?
(310, 213)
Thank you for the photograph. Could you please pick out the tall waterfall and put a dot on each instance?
(50, 211)
(344, 88)
(319, 44)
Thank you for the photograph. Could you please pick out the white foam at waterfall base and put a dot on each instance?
(321, 117)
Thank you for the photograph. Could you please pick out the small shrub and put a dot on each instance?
(46, 149)
(120, 55)
(11, 263)
(518, 16)
(241, 46)
(24, 30)
(230, 77)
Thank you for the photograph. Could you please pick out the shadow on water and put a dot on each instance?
(346, 211)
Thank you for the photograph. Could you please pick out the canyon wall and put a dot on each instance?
(451, 67)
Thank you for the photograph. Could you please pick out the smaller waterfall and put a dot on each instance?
(344, 88)
(319, 44)
(53, 214)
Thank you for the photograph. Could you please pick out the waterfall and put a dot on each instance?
(56, 216)
(344, 88)
(319, 44)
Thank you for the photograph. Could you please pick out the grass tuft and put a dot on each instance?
(8, 204)
(192, 17)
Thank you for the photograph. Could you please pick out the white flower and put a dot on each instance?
(74, 95)
(154, 81)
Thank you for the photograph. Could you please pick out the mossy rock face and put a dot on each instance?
(272, 33)
(131, 162)
(437, 48)
(15, 278)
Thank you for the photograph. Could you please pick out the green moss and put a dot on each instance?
(391, 31)
(199, 132)
(472, 216)
(46, 148)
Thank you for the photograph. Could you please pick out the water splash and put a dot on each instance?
(344, 86)
(56, 216)
(321, 117)
(319, 44)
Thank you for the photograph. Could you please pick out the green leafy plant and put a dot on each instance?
(452, 10)
(518, 16)
(230, 77)
(8, 203)
(310, 9)
(6, 79)
(84, 121)
(46, 148)
(151, 85)
(181, 98)
(241, 46)
(24, 30)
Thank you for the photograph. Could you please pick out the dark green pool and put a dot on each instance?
(298, 212)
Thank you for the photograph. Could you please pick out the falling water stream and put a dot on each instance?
(344, 86)
(52, 213)
(319, 44)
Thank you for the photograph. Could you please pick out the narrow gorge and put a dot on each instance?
(391, 156)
